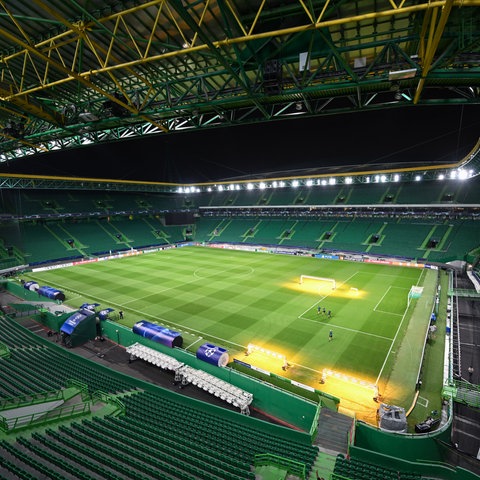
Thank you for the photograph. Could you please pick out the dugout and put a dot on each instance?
(79, 328)
(158, 334)
(45, 291)
(213, 354)
(51, 293)
(279, 403)
(31, 285)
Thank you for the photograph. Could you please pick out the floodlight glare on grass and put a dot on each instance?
(251, 348)
(353, 381)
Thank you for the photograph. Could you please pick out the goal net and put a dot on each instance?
(414, 293)
(320, 280)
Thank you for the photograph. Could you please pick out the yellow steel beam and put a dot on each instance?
(23, 103)
(71, 72)
(425, 168)
(83, 179)
(435, 36)
(80, 30)
(24, 142)
(80, 34)
(32, 51)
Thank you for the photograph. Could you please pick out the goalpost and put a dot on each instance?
(331, 281)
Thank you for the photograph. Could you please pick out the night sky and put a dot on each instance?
(429, 135)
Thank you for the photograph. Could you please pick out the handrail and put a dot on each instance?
(26, 421)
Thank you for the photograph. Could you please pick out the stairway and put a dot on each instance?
(333, 430)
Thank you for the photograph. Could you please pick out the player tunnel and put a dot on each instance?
(79, 328)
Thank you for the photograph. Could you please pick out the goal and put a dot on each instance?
(330, 281)
(414, 293)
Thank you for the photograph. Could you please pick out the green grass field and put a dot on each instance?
(234, 298)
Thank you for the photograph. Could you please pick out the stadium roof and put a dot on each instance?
(83, 73)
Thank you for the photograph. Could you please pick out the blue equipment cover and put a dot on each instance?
(31, 285)
(102, 315)
(157, 333)
(74, 320)
(51, 293)
(213, 354)
(90, 306)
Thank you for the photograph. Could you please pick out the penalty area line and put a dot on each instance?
(330, 325)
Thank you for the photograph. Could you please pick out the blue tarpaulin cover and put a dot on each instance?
(73, 321)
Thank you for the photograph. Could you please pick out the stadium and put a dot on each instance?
(296, 320)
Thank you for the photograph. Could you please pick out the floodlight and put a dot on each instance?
(441, 176)
(249, 186)
(309, 183)
(274, 184)
(87, 117)
(262, 186)
(348, 379)
(349, 180)
(220, 188)
(418, 178)
(295, 183)
(324, 182)
(462, 174)
(251, 348)
(402, 74)
(332, 181)
(396, 177)
(282, 183)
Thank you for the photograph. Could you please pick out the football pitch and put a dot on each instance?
(234, 299)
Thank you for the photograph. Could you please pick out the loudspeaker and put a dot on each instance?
(432, 243)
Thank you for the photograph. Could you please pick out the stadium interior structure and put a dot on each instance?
(75, 76)
(368, 221)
